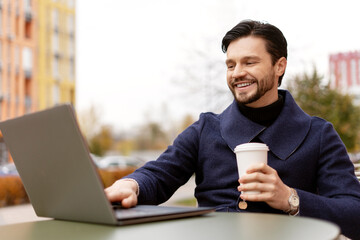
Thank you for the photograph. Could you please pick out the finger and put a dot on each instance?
(260, 167)
(260, 197)
(116, 195)
(129, 202)
(254, 177)
(122, 191)
(257, 186)
(127, 199)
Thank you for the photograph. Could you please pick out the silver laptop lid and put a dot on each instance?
(54, 163)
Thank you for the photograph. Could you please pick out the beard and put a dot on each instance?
(263, 86)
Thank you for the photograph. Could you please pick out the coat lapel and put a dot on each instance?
(283, 137)
(236, 128)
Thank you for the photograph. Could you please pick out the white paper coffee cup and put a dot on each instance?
(248, 154)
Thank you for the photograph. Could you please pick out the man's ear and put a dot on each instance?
(280, 66)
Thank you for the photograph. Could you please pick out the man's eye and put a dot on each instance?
(230, 66)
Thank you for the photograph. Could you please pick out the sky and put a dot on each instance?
(134, 56)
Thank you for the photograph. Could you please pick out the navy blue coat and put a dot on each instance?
(306, 152)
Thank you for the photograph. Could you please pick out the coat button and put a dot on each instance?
(242, 205)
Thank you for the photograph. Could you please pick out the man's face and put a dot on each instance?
(251, 77)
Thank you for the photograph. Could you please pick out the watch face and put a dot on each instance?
(295, 201)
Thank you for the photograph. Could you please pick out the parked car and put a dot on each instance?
(118, 161)
(8, 169)
(354, 157)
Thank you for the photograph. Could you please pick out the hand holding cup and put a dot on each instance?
(248, 154)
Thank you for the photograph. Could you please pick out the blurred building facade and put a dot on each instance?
(37, 57)
(56, 52)
(345, 73)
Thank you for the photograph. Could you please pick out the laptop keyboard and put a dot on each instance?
(144, 211)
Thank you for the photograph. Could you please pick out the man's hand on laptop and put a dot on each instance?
(123, 191)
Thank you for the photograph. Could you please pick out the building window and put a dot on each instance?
(9, 21)
(333, 79)
(27, 62)
(56, 94)
(343, 74)
(28, 18)
(1, 80)
(71, 3)
(1, 21)
(56, 73)
(28, 103)
(27, 12)
(55, 18)
(27, 6)
(4, 155)
(16, 59)
(358, 72)
(72, 69)
(353, 72)
(9, 59)
(71, 24)
(71, 47)
(17, 95)
(17, 7)
(28, 94)
(1, 48)
(55, 42)
(1, 91)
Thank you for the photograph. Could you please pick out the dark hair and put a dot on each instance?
(276, 44)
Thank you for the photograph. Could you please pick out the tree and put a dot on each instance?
(202, 77)
(102, 141)
(98, 136)
(151, 136)
(320, 100)
(187, 121)
(89, 120)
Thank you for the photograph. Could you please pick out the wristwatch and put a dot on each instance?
(294, 202)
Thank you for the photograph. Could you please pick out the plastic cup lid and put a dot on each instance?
(251, 147)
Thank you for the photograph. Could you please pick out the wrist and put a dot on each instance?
(134, 185)
(293, 203)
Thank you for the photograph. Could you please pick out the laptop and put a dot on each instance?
(61, 179)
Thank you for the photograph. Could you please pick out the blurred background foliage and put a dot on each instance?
(152, 135)
(318, 99)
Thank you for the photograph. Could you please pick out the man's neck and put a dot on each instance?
(263, 115)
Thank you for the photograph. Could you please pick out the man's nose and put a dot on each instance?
(239, 72)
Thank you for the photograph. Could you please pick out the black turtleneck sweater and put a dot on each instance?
(265, 115)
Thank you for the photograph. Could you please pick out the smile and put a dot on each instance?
(244, 84)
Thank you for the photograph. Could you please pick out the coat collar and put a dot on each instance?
(283, 137)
